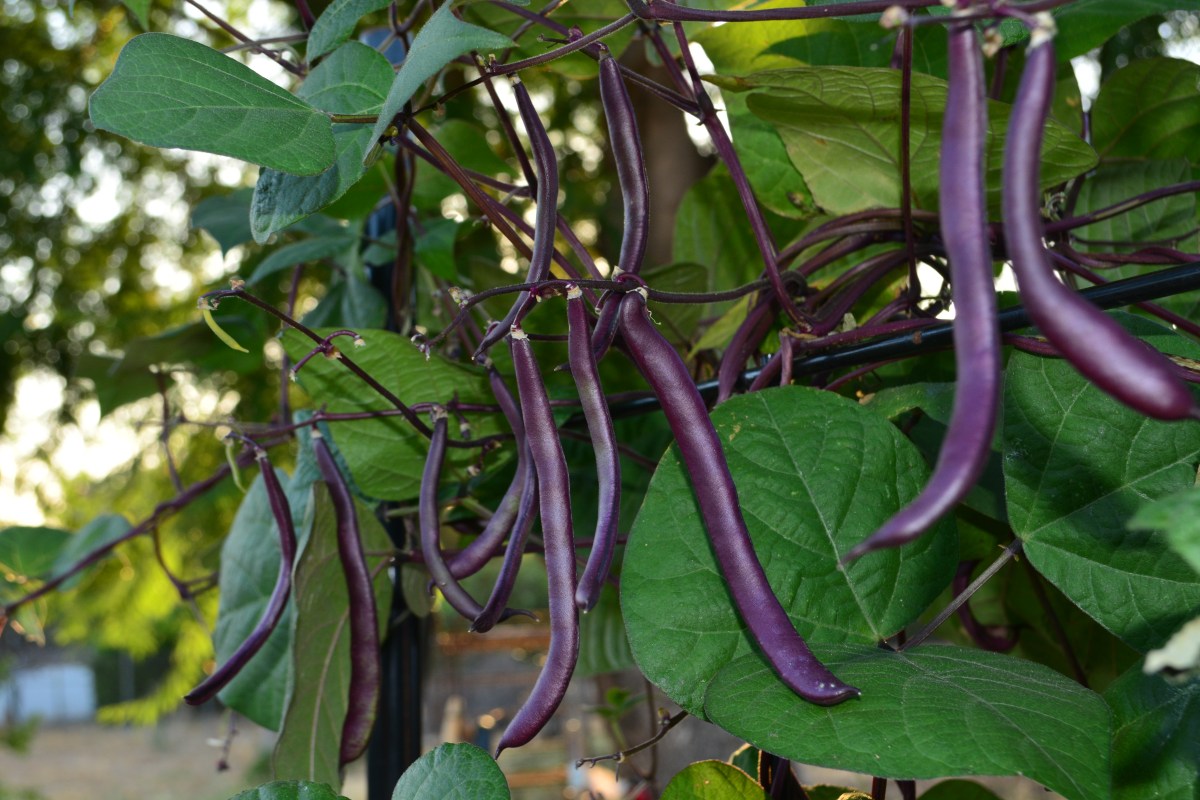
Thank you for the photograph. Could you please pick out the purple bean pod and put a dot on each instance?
(546, 217)
(554, 491)
(1099, 348)
(746, 339)
(365, 666)
(271, 615)
(479, 552)
(604, 443)
(430, 524)
(605, 332)
(963, 212)
(626, 144)
(494, 609)
(716, 496)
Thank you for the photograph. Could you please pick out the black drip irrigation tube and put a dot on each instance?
(1140, 289)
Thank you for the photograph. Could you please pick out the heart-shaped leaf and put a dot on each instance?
(168, 91)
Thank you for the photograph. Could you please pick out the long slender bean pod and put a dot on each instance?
(1102, 351)
(717, 498)
(527, 511)
(365, 666)
(746, 340)
(479, 552)
(271, 615)
(604, 443)
(430, 524)
(963, 203)
(546, 216)
(626, 144)
(554, 501)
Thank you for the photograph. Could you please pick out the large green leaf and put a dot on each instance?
(1077, 465)
(249, 568)
(816, 474)
(443, 38)
(310, 739)
(830, 117)
(353, 80)
(1171, 217)
(336, 23)
(290, 790)
(386, 455)
(453, 772)
(1156, 737)
(1149, 110)
(713, 780)
(168, 91)
(1085, 24)
(931, 712)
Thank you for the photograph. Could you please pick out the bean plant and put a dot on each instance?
(837, 484)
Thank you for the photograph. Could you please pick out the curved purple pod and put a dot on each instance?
(494, 609)
(626, 144)
(604, 443)
(546, 216)
(365, 666)
(716, 496)
(963, 216)
(554, 501)
(479, 552)
(746, 339)
(1103, 352)
(605, 332)
(427, 512)
(282, 512)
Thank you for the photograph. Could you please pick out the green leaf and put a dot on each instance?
(959, 790)
(335, 25)
(386, 456)
(167, 91)
(1085, 24)
(1178, 516)
(960, 712)
(453, 772)
(140, 10)
(713, 780)
(443, 38)
(310, 738)
(349, 303)
(1076, 465)
(27, 552)
(603, 646)
(1149, 110)
(1167, 218)
(434, 248)
(249, 569)
(353, 80)
(1156, 737)
(704, 236)
(100, 531)
(829, 117)
(816, 473)
(290, 790)
(302, 252)
(226, 217)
